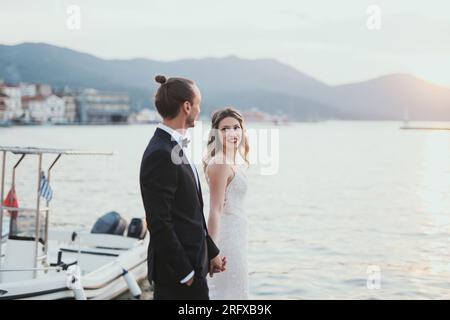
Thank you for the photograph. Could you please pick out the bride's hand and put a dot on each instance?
(224, 262)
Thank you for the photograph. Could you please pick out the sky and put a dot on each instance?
(333, 41)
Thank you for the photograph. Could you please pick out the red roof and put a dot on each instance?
(34, 98)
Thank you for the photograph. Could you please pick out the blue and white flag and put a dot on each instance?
(44, 190)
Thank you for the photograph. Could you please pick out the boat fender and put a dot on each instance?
(73, 282)
(132, 284)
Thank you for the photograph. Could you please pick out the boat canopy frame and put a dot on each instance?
(39, 152)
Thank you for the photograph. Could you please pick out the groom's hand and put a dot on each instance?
(217, 265)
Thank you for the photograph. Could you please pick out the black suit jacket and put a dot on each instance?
(179, 240)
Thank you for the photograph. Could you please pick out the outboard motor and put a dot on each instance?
(137, 228)
(110, 223)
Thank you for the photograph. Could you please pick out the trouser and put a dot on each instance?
(197, 291)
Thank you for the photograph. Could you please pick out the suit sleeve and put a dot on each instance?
(159, 184)
(213, 251)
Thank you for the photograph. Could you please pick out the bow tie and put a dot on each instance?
(184, 142)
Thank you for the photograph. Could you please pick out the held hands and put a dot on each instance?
(217, 265)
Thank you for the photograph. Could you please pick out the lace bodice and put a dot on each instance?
(235, 194)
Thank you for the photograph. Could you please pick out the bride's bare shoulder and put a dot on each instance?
(217, 159)
(217, 166)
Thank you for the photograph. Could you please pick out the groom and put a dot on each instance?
(180, 252)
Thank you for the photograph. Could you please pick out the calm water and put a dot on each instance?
(348, 198)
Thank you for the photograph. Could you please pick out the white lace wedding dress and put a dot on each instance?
(232, 242)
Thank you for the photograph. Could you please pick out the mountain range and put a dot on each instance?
(266, 84)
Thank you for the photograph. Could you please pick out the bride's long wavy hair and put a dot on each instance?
(214, 144)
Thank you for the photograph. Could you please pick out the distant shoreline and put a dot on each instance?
(442, 124)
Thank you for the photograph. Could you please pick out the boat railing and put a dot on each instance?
(39, 209)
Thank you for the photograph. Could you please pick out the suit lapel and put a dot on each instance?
(167, 137)
(200, 192)
(199, 189)
(193, 176)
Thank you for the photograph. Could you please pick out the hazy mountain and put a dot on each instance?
(391, 97)
(263, 83)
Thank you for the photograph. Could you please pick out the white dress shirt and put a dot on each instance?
(178, 137)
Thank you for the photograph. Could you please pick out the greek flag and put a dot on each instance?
(44, 190)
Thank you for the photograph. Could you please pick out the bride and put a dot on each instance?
(227, 150)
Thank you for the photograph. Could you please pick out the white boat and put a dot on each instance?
(38, 262)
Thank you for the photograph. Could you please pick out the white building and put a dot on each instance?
(4, 116)
(28, 89)
(95, 106)
(42, 109)
(35, 89)
(11, 102)
(145, 116)
(70, 112)
(43, 89)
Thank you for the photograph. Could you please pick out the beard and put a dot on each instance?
(190, 121)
